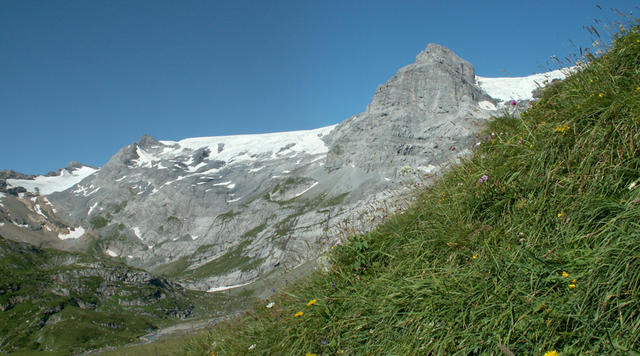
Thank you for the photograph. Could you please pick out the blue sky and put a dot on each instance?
(81, 79)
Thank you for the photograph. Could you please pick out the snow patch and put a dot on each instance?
(218, 289)
(145, 159)
(39, 211)
(233, 200)
(227, 185)
(121, 179)
(519, 88)
(86, 191)
(196, 167)
(92, 207)
(137, 232)
(48, 185)
(111, 253)
(73, 234)
(253, 170)
(20, 225)
(306, 190)
(1, 224)
(51, 205)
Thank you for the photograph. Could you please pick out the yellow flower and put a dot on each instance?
(572, 285)
(579, 106)
(574, 281)
(563, 128)
(638, 87)
(560, 215)
(590, 80)
(311, 302)
(310, 354)
(601, 95)
(340, 352)
(552, 353)
(475, 255)
(565, 274)
(299, 314)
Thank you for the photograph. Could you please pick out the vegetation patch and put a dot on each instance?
(228, 215)
(255, 231)
(231, 261)
(98, 221)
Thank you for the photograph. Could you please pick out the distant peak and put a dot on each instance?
(148, 141)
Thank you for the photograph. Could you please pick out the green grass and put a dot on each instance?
(98, 222)
(542, 255)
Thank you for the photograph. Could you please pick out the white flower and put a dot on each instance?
(253, 346)
(270, 305)
(632, 186)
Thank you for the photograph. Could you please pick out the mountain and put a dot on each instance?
(215, 213)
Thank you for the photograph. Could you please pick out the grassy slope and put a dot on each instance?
(543, 255)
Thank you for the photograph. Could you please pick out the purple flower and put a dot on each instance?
(334, 284)
(513, 103)
(323, 342)
(483, 179)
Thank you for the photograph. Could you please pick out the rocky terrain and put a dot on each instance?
(219, 212)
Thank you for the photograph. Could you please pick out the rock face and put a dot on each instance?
(218, 212)
(422, 117)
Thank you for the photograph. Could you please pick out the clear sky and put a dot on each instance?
(81, 79)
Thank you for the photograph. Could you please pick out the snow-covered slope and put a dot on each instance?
(49, 184)
(234, 148)
(518, 88)
(239, 147)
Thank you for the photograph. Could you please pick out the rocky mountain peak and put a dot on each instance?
(147, 141)
(417, 118)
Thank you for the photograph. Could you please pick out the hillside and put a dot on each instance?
(67, 302)
(529, 247)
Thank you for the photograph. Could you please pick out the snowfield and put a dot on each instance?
(242, 147)
(47, 185)
(519, 88)
(75, 233)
